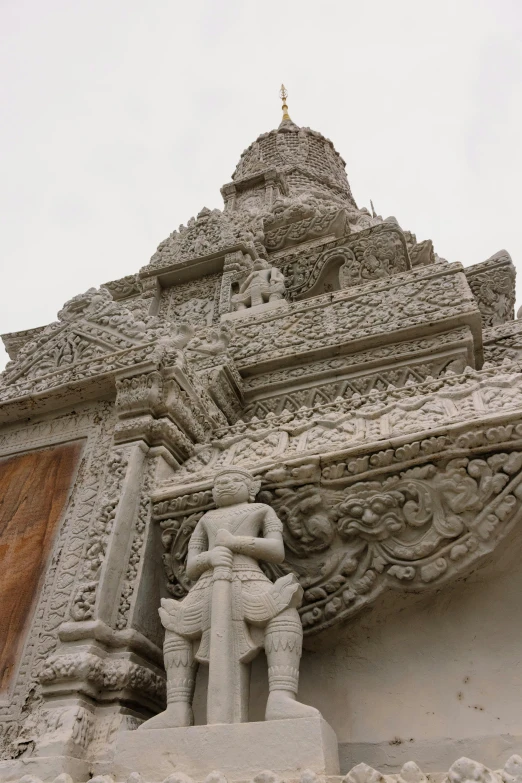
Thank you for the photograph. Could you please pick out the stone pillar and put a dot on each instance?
(107, 673)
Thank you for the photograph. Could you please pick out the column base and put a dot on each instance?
(47, 768)
(238, 750)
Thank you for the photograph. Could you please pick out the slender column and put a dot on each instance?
(117, 553)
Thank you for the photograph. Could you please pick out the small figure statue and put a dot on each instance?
(233, 611)
(263, 284)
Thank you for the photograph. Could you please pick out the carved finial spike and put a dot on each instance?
(283, 93)
(373, 210)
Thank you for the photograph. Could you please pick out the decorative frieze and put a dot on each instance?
(493, 285)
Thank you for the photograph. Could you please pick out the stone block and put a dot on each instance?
(46, 768)
(238, 750)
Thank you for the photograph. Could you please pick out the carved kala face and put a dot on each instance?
(374, 516)
(230, 488)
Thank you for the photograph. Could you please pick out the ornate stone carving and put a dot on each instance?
(370, 254)
(386, 461)
(95, 673)
(124, 287)
(362, 384)
(64, 570)
(94, 334)
(15, 341)
(229, 604)
(464, 770)
(493, 285)
(412, 529)
(193, 301)
(82, 607)
(349, 423)
(398, 303)
(320, 219)
(212, 232)
(379, 255)
(383, 355)
(503, 343)
(309, 162)
(264, 284)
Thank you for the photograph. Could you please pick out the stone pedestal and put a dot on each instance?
(46, 768)
(255, 310)
(239, 750)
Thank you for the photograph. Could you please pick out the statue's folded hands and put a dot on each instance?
(270, 548)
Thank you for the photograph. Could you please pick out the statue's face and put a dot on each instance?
(229, 489)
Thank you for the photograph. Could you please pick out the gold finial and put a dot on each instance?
(284, 95)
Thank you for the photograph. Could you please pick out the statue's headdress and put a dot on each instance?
(254, 485)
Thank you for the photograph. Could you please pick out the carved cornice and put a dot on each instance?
(359, 424)
(347, 542)
(15, 341)
(100, 349)
(102, 678)
(372, 254)
(408, 305)
(403, 510)
(333, 222)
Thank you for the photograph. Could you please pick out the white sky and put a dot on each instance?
(120, 119)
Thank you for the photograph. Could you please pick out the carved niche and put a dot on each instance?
(367, 256)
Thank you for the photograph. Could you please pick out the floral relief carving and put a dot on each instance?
(347, 315)
(211, 232)
(374, 253)
(110, 674)
(347, 422)
(94, 335)
(82, 607)
(503, 343)
(493, 285)
(408, 530)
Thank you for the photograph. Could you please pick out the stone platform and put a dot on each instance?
(238, 750)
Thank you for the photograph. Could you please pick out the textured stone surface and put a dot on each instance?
(239, 751)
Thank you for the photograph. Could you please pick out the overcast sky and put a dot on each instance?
(120, 119)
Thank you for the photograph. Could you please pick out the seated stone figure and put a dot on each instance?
(233, 611)
(263, 284)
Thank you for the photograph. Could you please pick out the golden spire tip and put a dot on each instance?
(283, 94)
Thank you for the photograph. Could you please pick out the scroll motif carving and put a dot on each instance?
(347, 423)
(371, 254)
(410, 530)
(124, 287)
(321, 222)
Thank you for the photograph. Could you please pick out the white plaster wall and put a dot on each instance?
(430, 669)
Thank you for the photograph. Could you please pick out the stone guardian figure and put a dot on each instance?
(264, 284)
(232, 612)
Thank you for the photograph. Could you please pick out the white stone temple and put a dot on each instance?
(261, 504)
